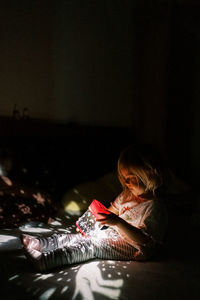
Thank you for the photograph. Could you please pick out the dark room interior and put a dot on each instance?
(81, 80)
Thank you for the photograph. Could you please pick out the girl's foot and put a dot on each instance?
(31, 246)
(33, 252)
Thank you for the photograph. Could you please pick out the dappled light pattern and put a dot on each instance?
(47, 294)
(74, 202)
(35, 230)
(20, 204)
(39, 198)
(89, 280)
(6, 180)
(105, 278)
(73, 208)
(56, 226)
(6, 238)
(78, 281)
(8, 242)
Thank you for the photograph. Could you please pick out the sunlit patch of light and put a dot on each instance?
(6, 238)
(59, 279)
(73, 208)
(44, 277)
(74, 268)
(76, 191)
(13, 277)
(64, 230)
(46, 295)
(111, 262)
(6, 180)
(40, 200)
(124, 267)
(64, 289)
(89, 280)
(32, 229)
(32, 224)
(55, 223)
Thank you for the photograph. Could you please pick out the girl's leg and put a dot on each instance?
(64, 249)
(114, 249)
(57, 250)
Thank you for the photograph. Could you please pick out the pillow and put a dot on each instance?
(20, 204)
(105, 189)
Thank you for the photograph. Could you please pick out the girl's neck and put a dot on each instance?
(139, 199)
(144, 197)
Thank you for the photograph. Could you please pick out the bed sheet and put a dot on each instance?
(93, 280)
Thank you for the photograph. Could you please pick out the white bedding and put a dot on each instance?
(164, 278)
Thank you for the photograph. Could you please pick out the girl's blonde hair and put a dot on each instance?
(145, 164)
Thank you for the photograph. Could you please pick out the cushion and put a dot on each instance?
(105, 189)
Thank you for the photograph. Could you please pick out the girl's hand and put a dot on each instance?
(108, 219)
(78, 230)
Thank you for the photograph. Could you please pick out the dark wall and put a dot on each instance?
(125, 63)
(151, 40)
(167, 75)
(69, 61)
(26, 58)
(94, 46)
(183, 110)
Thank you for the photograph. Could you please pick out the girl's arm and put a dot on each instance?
(113, 210)
(133, 232)
(125, 228)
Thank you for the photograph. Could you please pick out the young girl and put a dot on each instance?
(136, 224)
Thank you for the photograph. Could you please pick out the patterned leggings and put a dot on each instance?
(63, 249)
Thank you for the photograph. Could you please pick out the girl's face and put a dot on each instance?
(132, 182)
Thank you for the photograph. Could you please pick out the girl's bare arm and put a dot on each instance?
(125, 228)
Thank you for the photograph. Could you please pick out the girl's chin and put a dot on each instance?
(133, 192)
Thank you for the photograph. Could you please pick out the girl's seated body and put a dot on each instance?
(136, 225)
